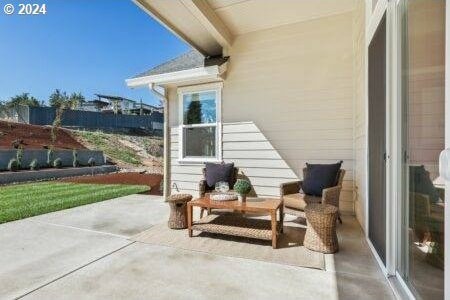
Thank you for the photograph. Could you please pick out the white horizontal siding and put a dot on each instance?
(287, 100)
(289, 135)
(291, 145)
(247, 146)
(359, 69)
(266, 169)
(251, 154)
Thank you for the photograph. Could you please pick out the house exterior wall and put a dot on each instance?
(360, 108)
(288, 98)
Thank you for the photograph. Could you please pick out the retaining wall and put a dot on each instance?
(46, 174)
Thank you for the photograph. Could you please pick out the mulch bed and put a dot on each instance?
(35, 137)
(152, 180)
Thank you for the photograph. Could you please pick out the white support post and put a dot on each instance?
(163, 98)
(447, 145)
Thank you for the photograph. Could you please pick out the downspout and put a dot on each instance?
(163, 98)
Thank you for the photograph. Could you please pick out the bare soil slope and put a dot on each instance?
(35, 137)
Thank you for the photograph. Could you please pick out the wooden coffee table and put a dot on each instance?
(236, 223)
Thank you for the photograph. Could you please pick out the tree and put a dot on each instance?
(75, 100)
(57, 123)
(23, 99)
(58, 99)
(2, 108)
(194, 111)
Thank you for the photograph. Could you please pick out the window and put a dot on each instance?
(200, 123)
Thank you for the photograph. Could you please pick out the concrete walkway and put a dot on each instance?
(84, 253)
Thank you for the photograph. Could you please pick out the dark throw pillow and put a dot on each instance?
(219, 172)
(420, 182)
(319, 177)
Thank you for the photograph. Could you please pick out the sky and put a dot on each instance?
(87, 46)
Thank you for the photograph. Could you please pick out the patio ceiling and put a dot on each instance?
(243, 16)
(211, 25)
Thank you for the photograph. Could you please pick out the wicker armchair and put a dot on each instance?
(295, 203)
(203, 187)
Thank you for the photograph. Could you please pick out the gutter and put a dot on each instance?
(163, 98)
(209, 73)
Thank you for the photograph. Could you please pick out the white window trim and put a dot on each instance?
(211, 87)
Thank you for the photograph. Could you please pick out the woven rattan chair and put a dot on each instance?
(295, 202)
(203, 187)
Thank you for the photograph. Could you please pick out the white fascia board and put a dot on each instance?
(203, 73)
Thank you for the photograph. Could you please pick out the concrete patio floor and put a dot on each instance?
(85, 253)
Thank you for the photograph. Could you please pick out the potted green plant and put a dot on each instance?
(242, 188)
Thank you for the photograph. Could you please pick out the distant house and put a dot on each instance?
(118, 105)
(96, 105)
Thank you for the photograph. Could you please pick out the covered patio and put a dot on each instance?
(88, 253)
(272, 87)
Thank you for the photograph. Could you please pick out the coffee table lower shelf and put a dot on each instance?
(236, 225)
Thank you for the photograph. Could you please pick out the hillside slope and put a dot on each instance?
(131, 152)
(127, 151)
(35, 137)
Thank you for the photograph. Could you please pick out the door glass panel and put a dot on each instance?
(423, 76)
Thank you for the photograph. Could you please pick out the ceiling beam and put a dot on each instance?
(209, 19)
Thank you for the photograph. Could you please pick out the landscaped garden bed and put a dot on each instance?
(27, 200)
(25, 159)
(153, 181)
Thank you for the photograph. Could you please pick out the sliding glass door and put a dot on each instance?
(421, 255)
(377, 140)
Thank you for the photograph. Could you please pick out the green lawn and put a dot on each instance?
(27, 200)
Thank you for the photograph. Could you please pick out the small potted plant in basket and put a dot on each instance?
(242, 188)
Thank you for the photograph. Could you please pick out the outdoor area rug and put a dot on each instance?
(290, 249)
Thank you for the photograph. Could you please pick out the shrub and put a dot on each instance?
(75, 162)
(91, 162)
(19, 157)
(50, 154)
(155, 149)
(243, 187)
(13, 165)
(34, 165)
(57, 163)
(16, 144)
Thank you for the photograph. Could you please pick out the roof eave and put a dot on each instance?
(211, 48)
(205, 74)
